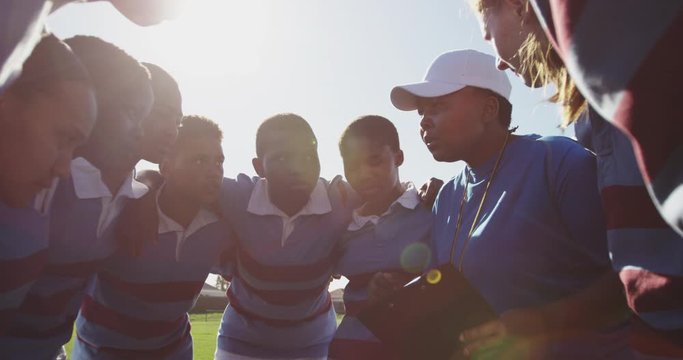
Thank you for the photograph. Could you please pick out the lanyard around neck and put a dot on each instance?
(476, 216)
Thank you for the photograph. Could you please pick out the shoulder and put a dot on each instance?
(235, 193)
(246, 180)
(450, 186)
(340, 191)
(446, 192)
(240, 184)
(564, 151)
(337, 181)
(568, 163)
(563, 144)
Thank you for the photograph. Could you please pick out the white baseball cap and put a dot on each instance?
(451, 72)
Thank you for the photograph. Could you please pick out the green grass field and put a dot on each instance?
(204, 331)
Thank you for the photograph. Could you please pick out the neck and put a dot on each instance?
(490, 146)
(290, 207)
(380, 205)
(179, 208)
(113, 175)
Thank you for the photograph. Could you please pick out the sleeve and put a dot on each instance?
(24, 255)
(428, 240)
(227, 194)
(138, 224)
(339, 189)
(624, 57)
(442, 227)
(572, 178)
(338, 256)
(583, 131)
(227, 259)
(235, 193)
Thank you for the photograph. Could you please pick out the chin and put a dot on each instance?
(366, 197)
(442, 158)
(208, 199)
(299, 196)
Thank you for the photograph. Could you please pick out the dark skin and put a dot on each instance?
(193, 173)
(372, 171)
(291, 166)
(472, 115)
(599, 305)
(161, 126)
(114, 143)
(160, 129)
(41, 130)
(462, 126)
(518, 332)
(302, 152)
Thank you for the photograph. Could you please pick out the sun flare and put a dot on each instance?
(215, 37)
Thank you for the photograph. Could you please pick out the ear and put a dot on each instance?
(398, 158)
(491, 109)
(257, 163)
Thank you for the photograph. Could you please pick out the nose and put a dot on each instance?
(298, 169)
(487, 35)
(136, 135)
(301, 167)
(426, 123)
(172, 132)
(166, 136)
(216, 170)
(364, 174)
(167, 127)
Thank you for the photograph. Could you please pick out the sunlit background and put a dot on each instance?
(330, 61)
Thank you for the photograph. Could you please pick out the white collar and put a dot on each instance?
(260, 204)
(88, 182)
(410, 199)
(166, 224)
(43, 200)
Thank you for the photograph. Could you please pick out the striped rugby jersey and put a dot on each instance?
(398, 241)
(23, 255)
(645, 251)
(44, 321)
(625, 57)
(279, 303)
(137, 305)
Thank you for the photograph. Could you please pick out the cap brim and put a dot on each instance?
(404, 97)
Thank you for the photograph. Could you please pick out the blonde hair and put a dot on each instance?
(544, 65)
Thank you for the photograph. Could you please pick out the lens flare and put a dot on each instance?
(415, 258)
(433, 276)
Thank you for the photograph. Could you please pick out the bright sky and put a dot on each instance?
(239, 62)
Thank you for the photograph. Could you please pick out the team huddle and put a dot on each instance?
(559, 237)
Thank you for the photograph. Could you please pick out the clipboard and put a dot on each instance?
(423, 319)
